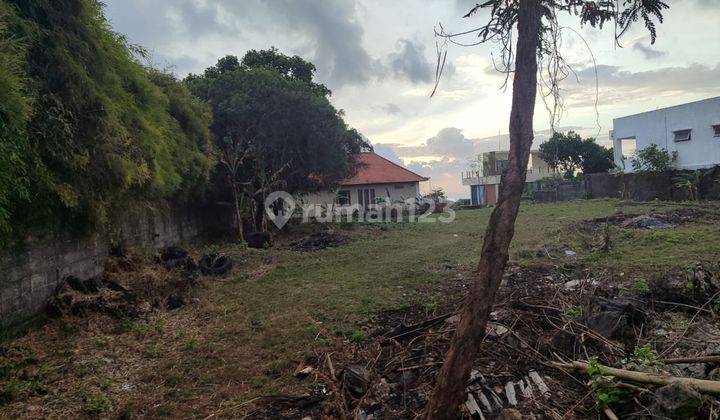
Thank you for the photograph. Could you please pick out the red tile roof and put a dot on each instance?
(375, 169)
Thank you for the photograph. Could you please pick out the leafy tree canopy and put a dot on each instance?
(267, 103)
(570, 152)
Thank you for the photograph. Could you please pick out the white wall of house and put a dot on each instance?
(398, 192)
(658, 127)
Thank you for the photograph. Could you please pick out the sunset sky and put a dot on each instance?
(378, 57)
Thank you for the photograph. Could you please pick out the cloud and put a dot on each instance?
(392, 109)
(649, 52)
(329, 33)
(411, 63)
(331, 30)
(451, 142)
(620, 86)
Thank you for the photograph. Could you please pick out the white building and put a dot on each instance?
(692, 130)
(376, 181)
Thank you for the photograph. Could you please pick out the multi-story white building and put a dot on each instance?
(484, 182)
(692, 130)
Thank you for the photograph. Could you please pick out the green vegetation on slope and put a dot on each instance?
(102, 129)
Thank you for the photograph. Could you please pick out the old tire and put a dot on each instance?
(215, 266)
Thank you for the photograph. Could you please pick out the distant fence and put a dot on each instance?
(638, 187)
(650, 186)
(558, 191)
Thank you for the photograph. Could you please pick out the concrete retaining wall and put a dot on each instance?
(652, 186)
(29, 276)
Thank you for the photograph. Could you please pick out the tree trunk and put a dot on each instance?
(452, 379)
(259, 213)
(238, 210)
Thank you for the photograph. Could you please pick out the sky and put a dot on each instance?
(379, 58)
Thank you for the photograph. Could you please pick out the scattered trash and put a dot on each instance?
(301, 373)
(647, 222)
(569, 252)
(357, 379)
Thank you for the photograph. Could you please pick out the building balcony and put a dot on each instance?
(533, 174)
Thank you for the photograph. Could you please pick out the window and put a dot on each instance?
(716, 130)
(682, 135)
(343, 197)
(366, 197)
(399, 187)
(501, 164)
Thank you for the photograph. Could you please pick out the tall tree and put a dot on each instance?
(538, 35)
(570, 153)
(274, 128)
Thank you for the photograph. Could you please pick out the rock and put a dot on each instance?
(614, 319)
(259, 240)
(676, 401)
(357, 379)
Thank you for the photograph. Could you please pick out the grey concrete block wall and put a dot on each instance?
(29, 276)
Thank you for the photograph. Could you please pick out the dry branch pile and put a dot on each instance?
(542, 326)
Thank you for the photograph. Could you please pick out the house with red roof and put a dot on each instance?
(376, 181)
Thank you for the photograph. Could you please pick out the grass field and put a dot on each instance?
(247, 332)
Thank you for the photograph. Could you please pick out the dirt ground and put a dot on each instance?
(290, 333)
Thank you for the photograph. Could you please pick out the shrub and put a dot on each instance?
(653, 159)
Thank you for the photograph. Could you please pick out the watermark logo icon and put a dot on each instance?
(279, 207)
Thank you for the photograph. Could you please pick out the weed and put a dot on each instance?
(430, 306)
(604, 391)
(9, 391)
(190, 345)
(404, 305)
(276, 367)
(96, 405)
(358, 336)
(102, 343)
(573, 312)
(159, 325)
(643, 359)
(105, 384)
(127, 325)
(638, 287)
(153, 351)
(716, 305)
